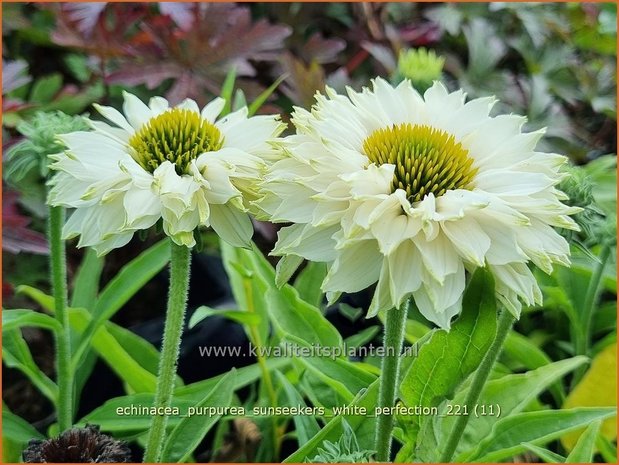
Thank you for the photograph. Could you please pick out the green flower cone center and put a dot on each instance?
(426, 159)
(176, 135)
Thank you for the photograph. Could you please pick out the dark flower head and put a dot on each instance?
(78, 445)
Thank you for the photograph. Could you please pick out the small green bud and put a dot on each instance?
(40, 142)
(421, 66)
(595, 226)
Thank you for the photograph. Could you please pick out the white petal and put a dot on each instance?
(158, 105)
(232, 225)
(355, 268)
(115, 117)
(136, 111)
(189, 104)
(405, 268)
(143, 208)
(212, 110)
(468, 238)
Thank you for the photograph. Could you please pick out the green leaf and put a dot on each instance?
(16, 354)
(511, 394)
(46, 88)
(585, 447)
(295, 317)
(116, 357)
(44, 300)
(608, 450)
(186, 436)
(86, 284)
(344, 377)
(363, 337)
(598, 388)
(227, 90)
(285, 268)
(129, 280)
(138, 348)
(544, 454)
(244, 377)
(246, 318)
(448, 358)
(535, 427)
(256, 104)
(309, 281)
(19, 318)
(17, 429)
(364, 426)
(531, 357)
(305, 426)
(249, 282)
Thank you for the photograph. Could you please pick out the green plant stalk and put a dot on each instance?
(591, 297)
(262, 363)
(506, 320)
(395, 324)
(58, 270)
(173, 330)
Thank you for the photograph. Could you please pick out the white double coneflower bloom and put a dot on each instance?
(179, 164)
(387, 186)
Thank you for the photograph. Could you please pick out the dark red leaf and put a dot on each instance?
(321, 50)
(16, 236)
(221, 36)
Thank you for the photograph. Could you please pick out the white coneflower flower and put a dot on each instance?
(180, 164)
(408, 191)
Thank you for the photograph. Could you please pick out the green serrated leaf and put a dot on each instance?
(448, 358)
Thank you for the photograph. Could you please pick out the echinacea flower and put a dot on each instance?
(78, 445)
(408, 191)
(180, 164)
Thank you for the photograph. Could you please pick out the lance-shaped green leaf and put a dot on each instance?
(190, 431)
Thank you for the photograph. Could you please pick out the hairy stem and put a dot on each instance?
(175, 317)
(58, 270)
(394, 338)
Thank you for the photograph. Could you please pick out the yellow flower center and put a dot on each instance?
(426, 159)
(176, 135)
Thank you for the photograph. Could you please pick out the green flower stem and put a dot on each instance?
(58, 270)
(506, 320)
(591, 298)
(175, 317)
(262, 363)
(394, 339)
